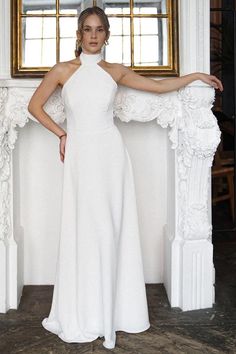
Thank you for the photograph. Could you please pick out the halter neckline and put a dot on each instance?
(90, 58)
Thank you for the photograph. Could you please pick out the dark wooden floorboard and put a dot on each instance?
(172, 331)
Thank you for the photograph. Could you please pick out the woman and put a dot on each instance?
(99, 286)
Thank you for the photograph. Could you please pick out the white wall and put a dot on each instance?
(37, 192)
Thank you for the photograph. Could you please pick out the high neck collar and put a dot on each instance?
(90, 58)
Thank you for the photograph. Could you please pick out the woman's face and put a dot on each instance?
(94, 34)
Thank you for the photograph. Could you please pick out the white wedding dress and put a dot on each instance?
(99, 285)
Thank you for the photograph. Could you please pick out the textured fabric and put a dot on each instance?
(99, 285)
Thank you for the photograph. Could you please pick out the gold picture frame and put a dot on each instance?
(19, 70)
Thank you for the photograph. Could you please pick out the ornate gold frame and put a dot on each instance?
(173, 48)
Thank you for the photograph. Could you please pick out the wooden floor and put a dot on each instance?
(172, 331)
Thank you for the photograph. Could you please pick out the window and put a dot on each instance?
(143, 34)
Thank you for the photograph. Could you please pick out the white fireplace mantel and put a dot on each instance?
(193, 134)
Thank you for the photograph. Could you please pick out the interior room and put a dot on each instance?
(179, 149)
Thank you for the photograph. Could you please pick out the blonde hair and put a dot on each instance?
(82, 17)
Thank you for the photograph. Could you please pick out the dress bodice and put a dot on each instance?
(89, 95)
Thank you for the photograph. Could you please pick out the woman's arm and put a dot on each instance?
(47, 86)
(132, 79)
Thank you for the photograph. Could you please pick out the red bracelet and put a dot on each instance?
(62, 135)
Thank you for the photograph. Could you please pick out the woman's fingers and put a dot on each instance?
(212, 80)
(62, 148)
(218, 83)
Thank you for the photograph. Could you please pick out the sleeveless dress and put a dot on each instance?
(99, 284)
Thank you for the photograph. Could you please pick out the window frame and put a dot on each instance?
(17, 70)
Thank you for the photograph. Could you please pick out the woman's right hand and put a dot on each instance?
(62, 147)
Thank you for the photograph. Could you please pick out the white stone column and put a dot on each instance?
(189, 269)
(194, 36)
(189, 272)
(9, 295)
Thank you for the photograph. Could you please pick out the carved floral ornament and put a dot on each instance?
(193, 133)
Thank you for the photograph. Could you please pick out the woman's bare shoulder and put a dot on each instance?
(66, 65)
(64, 69)
(119, 69)
(112, 65)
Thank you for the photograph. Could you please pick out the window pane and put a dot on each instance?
(68, 27)
(48, 52)
(150, 33)
(32, 27)
(119, 26)
(67, 49)
(38, 27)
(71, 6)
(49, 27)
(38, 41)
(39, 7)
(39, 53)
(112, 8)
(150, 7)
(118, 49)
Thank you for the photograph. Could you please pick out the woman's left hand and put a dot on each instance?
(211, 80)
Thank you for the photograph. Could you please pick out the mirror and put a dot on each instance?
(44, 33)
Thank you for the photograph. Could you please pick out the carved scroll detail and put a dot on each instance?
(195, 135)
